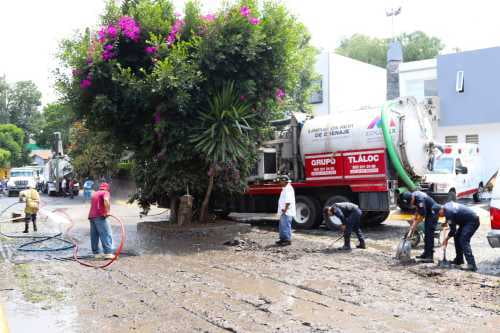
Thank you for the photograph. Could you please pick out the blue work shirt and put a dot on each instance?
(344, 210)
(457, 214)
(424, 203)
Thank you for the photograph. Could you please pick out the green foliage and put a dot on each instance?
(416, 46)
(11, 145)
(24, 98)
(224, 126)
(93, 153)
(56, 117)
(154, 103)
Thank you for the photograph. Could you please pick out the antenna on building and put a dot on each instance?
(392, 13)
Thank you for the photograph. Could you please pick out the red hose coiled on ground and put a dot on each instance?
(75, 249)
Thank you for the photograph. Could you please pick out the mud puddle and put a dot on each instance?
(23, 316)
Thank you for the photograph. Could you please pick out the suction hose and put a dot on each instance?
(391, 150)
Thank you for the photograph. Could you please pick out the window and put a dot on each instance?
(459, 84)
(415, 88)
(472, 138)
(451, 139)
(430, 88)
(317, 95)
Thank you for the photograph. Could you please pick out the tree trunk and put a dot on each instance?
(174, 205)
(206, 200)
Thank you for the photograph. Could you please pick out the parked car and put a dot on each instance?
(494, 235)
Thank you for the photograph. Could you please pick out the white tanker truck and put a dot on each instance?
(364, 156)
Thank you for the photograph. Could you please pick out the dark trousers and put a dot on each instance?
(462, 241)
(27, 219)
(352, 224)
(430, 227)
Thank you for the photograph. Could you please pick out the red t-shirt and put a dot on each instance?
(97, 208)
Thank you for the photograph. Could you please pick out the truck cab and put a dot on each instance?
(455, 173)
(20, 179)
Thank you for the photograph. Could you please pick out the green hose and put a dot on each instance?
(393, 155)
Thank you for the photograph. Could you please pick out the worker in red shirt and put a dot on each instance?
(99, 225)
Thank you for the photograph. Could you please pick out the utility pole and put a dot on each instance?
(394, 58)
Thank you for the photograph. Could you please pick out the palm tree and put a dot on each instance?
(223, 136)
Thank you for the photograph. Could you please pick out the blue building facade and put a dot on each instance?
(469, 87)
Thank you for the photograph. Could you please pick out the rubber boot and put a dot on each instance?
(34, 226)
(347, 244)
(361, 244)
(26, 225)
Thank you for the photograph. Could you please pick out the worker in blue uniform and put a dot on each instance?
(426, 209)
(468, 222)
(349, 215)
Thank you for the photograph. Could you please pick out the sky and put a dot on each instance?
(30, 30)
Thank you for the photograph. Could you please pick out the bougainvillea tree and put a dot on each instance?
(151, 76)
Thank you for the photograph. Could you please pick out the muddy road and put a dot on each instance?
(194, 283)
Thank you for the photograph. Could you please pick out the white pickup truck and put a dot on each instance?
(20, 179)
(455, 173)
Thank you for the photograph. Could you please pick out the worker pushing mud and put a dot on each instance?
(426, 209)
(32, 200)
(350, 216)
(468, 222)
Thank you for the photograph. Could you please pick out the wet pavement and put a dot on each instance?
(198, 284)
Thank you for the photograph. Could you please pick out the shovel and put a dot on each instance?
(444, 263)
(403, 251)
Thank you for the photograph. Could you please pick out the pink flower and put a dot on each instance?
(177, 14)
(108, 54)
(243, 98)
(85, 84)
(174, 31)
(129, 28)
(280, 94)
(151, 49)
(76, 72)
(208, 17)
(108, 47)
(245, 11)
(101, 35)
(89, 61)
(254, 20)
(157, 117)
(112, 32)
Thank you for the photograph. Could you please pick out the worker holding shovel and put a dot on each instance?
(350, 215)
(427, 209)
(468, 222)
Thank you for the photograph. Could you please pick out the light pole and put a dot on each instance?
(392, 13)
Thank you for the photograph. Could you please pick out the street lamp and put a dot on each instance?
(392, 13)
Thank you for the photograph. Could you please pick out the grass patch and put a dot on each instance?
(36, 290)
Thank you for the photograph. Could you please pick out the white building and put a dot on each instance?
(347, 84)
(467, 86)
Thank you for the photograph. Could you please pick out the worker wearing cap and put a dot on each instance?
(32, 200)
(350, 216)
(286, 211)
(428, 209)
(468, 222)
(99, 225)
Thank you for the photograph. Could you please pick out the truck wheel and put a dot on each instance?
(452, 196)
(307, 213)
(374, 218)
(336, 198)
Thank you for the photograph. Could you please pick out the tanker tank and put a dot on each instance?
(409, 125)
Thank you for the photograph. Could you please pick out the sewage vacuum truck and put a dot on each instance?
(365, 156)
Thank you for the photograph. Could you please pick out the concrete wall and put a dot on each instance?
(412, 76)
(479, 103)
(488, 143)
(352, 84)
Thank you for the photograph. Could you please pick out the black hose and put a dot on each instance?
(37, 239)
